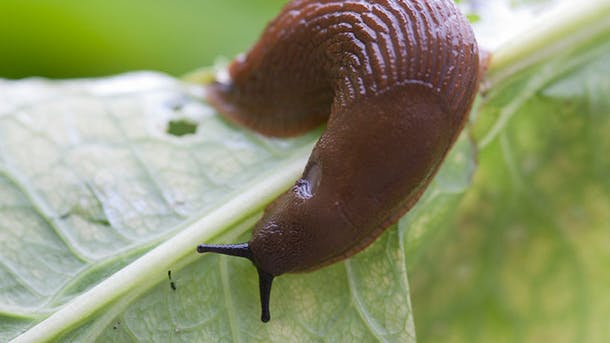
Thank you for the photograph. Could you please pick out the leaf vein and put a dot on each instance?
(368, 319)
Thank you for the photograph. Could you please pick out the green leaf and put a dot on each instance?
(91, 181)
(101, 200)
(528, 258)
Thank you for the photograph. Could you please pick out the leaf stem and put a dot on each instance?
(567, 26)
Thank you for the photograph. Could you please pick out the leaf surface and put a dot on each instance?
(527, 260)
(100, 202)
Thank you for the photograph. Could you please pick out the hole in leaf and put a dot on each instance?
(181, 127)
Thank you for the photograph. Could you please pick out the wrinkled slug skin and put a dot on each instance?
(394, 78)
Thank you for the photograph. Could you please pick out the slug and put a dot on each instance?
(395, 81)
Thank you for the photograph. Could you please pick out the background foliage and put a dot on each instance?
(69, 38)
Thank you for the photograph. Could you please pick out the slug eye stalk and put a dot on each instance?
(243, 250)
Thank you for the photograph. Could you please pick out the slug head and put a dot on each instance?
(279, 242)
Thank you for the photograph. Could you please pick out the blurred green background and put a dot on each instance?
(71, 38)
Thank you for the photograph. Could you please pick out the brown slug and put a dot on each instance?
(396, 80)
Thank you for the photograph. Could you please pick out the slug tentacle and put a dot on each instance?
(243, 250)
(264, 284)
(394, 78)
(239, 250)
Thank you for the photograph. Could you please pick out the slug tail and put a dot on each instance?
(243, 250)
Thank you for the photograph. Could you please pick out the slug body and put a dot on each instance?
(395, 79)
